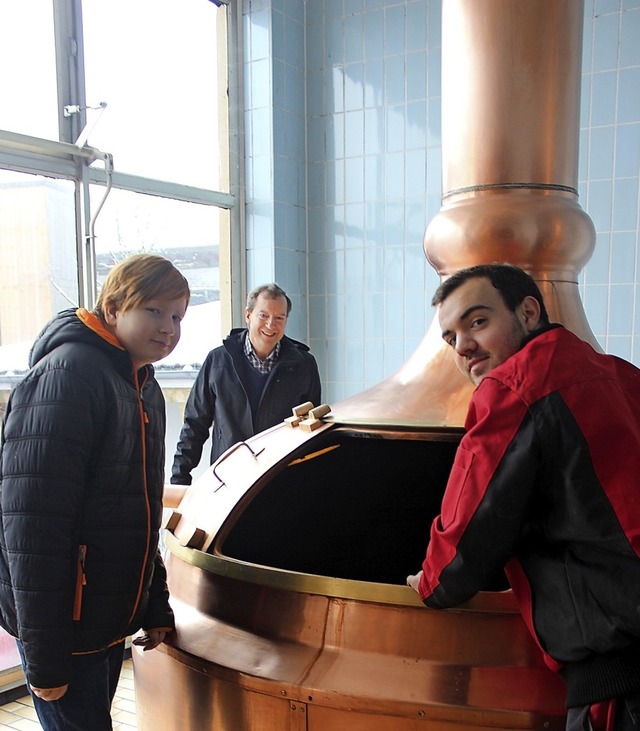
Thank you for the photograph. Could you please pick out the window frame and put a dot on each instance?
(64, 159)
(88, 166)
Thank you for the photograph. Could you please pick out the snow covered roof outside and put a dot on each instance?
(200, 333)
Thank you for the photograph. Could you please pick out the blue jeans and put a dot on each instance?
(86, 706)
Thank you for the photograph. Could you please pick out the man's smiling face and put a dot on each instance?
(482, 330)
(266, 323)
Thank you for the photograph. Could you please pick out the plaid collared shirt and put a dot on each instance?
(262, 366)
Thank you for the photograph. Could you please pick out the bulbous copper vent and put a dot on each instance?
(511, 74)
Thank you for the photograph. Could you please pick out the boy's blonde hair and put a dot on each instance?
(140, 278)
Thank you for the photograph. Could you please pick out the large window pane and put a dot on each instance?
(188, 234)
(28, 68)
(155, 64)
(38, 267)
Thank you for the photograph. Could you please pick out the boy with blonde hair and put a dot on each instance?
(81, 479)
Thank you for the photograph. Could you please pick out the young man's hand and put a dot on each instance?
(50, 694)
(150, 639)
(414, 580)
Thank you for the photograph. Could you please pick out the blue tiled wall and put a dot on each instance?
(342, 105)
(610, 172)
(275, 134)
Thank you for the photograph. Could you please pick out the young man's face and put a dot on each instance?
(266, 323)
(481, 329)
(150, 331)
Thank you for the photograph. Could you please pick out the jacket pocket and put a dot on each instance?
(81, 582)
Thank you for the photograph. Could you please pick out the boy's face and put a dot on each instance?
(481, 329)
(149, 331)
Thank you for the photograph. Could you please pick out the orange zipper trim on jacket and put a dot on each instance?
(144, 419)
(81, 582)
(93, 322)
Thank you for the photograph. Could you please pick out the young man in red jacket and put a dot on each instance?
(545, 484)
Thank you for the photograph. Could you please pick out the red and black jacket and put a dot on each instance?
(546, 482)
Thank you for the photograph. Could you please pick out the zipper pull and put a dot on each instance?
(82, 558)
(81, 581)
(145, 416)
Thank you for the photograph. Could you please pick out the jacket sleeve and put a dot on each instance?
(159, 614)
(315, 389)
(486, 501)
(198, 418)
(49, 433)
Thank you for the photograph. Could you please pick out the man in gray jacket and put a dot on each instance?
(248, 384)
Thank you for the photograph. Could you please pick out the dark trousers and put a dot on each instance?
(620, 714)
(86, 706)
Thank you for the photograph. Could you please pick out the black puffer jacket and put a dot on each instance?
(219, 398)
(81, 477)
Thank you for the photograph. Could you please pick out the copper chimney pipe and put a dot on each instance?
(511, 73)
